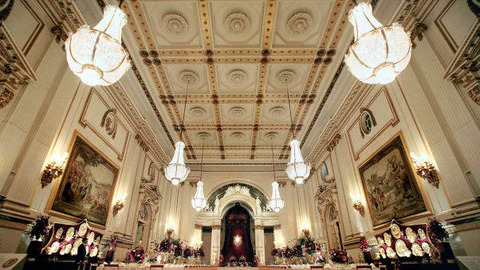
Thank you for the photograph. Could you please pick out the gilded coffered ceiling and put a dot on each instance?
(235, 59)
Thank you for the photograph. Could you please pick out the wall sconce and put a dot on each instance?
(358, 205)
(119, 204)
(54, 169)
(425, 169)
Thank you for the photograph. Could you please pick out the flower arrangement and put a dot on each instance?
(310, 246)
(199, 252)
(436, 231)
(165, 245)
(136, 255)
(364, 246)
(319, 258)
(188, 252)
(177, 248)
(298, 250)
(339, 255)
(40, 228)
(112, 242)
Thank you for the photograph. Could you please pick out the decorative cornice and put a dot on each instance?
(277, 227)
(333, 142)
(198, 226)
(259, 227)
(216, 227)
(14, 67)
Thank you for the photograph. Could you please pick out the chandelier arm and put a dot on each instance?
(290, 110)
(273, 161)
(387, 51)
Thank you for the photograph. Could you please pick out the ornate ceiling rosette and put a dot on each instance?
(299, 23)
(277, 112)
(237, 77)
(286, 76)
(237, 112)
(237, 23)
(188, 77)
(198, 112)
(238, 136)
(175, 23)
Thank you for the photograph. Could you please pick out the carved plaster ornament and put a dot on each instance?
(237, 77)
(237, 23)
(175, 23)
(299, 23)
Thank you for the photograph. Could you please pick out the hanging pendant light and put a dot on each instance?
(276, 202)
(380, 52)
(96, 55)
(176, 171)
(198, 201)
(297, 170)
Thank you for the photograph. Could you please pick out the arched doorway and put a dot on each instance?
(237, 244)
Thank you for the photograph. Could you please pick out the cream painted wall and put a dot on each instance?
(42, 120)
(433, 117)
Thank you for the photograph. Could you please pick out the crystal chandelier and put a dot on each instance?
(96, 55)
(276, 202)
(198, 201)
(297, 170)
(176, 171)
(380, 52)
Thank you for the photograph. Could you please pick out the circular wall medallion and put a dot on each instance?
(237, 76)
(237, 23)
(324, 171)
(299, 23)
(175, 23)
(366, 121)
(286, 76)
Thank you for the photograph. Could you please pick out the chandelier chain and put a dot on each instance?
(182, 126)
(290, 111)
(201, 165)
(273, 161)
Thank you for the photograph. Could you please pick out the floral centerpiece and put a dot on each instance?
(339, 256)
(436, 231)
(112, 242)
(364, 246)
(135, 255)
(40, 228)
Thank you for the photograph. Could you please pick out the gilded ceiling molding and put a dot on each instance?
(464, 69)
(337, 121)
(15, 70)
(333, 142)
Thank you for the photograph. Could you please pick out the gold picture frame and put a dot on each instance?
(390, 185)
(86, 189)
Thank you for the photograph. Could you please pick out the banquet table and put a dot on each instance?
(123, 266)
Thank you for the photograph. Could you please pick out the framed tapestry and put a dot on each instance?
(390, 186)
(87, 185)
